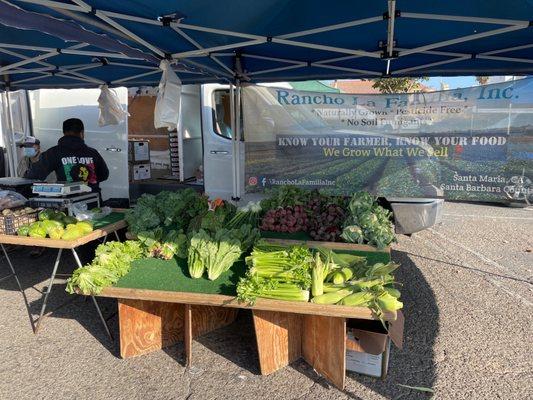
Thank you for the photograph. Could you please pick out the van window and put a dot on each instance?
(222, 114)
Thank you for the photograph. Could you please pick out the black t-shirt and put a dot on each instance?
(72, 161)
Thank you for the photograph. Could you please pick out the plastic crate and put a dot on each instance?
(10, 223)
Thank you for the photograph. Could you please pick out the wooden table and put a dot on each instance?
(60, 245)
(285, 330)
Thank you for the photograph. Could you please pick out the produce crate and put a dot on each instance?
(10, 223)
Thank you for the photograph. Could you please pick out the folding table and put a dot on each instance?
(60, 245)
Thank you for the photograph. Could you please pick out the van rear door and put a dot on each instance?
(217, 140)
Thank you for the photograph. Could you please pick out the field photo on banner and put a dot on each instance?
(464, 144)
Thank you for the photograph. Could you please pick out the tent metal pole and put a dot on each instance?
(28, 61)
(330, 60)
(68, 50)
(332, 27)
(463, 39)
(390, 27)
(326, 48)
(27, 71)
(438, 52)
(55, 4)
(498, 58)
(206, 51)
(440, 17)
(238, 138)
(12, 150)
(266, 71)
(119, 27)
(199, 46)
(283, 60)
(121, 64)
(217, 31)
(400, 71)
(233, 140)
(523, 47)
(129, 78)
(65, 74)
(213, 71)
(99, 54)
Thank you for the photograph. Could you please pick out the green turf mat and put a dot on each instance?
(372, 256)
(285, 235)
(108, 219)
(173, 275)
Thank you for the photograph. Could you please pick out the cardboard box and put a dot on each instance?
(368, 345)
(138, 150)
(139, 172)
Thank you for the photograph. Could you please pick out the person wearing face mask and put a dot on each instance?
(72, 160)
(31, 148)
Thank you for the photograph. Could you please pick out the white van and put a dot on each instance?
(205, 139)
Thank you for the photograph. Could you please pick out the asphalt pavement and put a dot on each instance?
(467, 290)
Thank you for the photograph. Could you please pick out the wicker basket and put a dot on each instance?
(10, 223)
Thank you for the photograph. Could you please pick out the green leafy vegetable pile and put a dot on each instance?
(112, 262)
(368, 222)
(157, 244)
(213, 254)
(173, 210)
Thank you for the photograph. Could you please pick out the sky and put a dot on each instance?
(453, 81)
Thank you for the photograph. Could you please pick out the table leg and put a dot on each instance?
(324, 346)
(279, 339)
(98, 310)
(48, 290)
(116, 235)
(146, 326)
(187, 337)
(14, 274)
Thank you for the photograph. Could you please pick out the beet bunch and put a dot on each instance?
(326, 221)
(285, 219)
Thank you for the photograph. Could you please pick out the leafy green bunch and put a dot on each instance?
(174, 210)
(368, 222)
(158, 244)
(213, 254)
(285, 196)
(111, 262)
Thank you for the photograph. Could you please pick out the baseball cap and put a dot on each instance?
(29, 142)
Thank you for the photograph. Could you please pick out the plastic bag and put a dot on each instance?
(111, 111)
(10, 199)
(168, 103)
(81, 212)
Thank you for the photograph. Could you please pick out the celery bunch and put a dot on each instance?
(282, 264)
(252, 287)
(276, 272)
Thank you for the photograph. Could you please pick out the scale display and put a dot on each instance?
(59, 189)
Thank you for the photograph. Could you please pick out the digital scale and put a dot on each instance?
(65, 196)
(59, 189)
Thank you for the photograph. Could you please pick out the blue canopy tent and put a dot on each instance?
(75, 43)
(86, 43)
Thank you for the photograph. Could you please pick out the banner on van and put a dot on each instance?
(468, 144)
